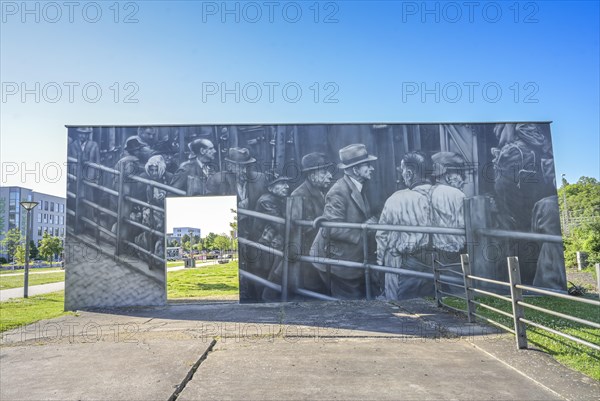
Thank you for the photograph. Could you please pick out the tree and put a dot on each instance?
(174, 243)
(33, 250)
(234, 223)
(580, 219)
(209, 241)
(185, 238)
(2, 209)
(10, 242)
(222, 242)
(19, 255)
(50, 246)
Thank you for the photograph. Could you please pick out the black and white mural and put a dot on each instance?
(324, 211)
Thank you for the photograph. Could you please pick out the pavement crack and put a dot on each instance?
(191, 372)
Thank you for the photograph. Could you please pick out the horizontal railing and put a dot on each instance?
(488, 232)
(518, 305)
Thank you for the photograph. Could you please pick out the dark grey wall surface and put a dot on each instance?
(298, 186)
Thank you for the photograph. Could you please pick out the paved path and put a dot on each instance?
(351, 350)
(5, 295)
(30, 273)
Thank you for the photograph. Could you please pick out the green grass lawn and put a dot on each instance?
(175, 263)
(212, 281)
(567, 352)
(34, 279)
(20, 311)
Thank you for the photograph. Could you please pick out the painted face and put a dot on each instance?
(280, 189)
(144, 153)
(153, 172)
(146, 216)
(149, 135)
(208, 152)
(364, 171)
(407, 175)
(239, 169)
(321, 178)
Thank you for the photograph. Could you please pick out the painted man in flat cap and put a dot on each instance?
(317, 169)
(346, 202)
(447, 203)
(239, 179)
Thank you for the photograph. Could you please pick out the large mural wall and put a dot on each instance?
(320, 207)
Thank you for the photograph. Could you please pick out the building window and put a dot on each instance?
(45, 217)
(61, 208)
(61, 220)
(39, 231)
(51, 206)
(62, 231)
(46, 205)
(39, 217)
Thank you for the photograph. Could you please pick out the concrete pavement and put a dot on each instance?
(220, 350)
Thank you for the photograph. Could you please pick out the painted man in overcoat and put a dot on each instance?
(317, 169)
(193, 174)
(346, 202)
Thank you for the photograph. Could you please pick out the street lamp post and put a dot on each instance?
(29, 207)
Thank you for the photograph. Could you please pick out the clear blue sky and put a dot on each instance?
(369, 56)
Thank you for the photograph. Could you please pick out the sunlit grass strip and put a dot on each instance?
(212, 281)
(32, 270)
(567, 352)
(20, 311)
(34, 279)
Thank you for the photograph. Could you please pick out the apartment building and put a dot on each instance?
(48, 216)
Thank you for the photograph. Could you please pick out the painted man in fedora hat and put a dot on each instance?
(270, 234)
(239, 179)
(318, 172)
(346, 202)
(193, 174)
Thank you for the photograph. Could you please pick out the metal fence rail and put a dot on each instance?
(293, 222)
(86, 208)
(518, 305)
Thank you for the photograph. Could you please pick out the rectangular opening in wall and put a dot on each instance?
(201, 249)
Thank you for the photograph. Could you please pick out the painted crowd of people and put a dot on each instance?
(431, 196)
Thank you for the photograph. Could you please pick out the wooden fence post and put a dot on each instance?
(516, 296)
